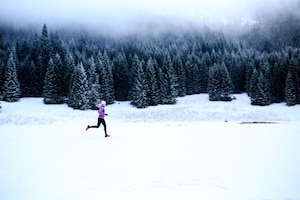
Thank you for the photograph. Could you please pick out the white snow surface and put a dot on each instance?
(195, 149)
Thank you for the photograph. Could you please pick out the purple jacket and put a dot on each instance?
(101, 111)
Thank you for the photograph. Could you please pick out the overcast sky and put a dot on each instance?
(120, 11)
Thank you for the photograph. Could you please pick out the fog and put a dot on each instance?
(126, 15)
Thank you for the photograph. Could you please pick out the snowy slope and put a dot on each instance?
(182, 151)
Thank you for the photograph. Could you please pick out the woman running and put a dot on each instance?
(101, 120)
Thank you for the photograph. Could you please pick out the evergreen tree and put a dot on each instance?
(67, 75)
(250, 60)
(188, 78)
(139, 90)
(152, 90)
(3, 53)
(2, 69)
(214, 83)
(195, 73)
(34, 82)
(235, 63)
(277, 81)
(121, 77)
(298, 76)
(35, 49)
(56, 46)
(36, 69)
(60, 72)
(227, 85)
(51, 90)
(263, 96)
(169, 83)
(93, 81)
(203, 76)
(161, 84)
(19, 50)
(11, 85)
(132, 75)
(42, 60)
(295, 70)
(44, 48)
(219, 83)
(24, 77)
(78, 95)
(106, 79)
(290, 90)
(180, 73)
(253, 87)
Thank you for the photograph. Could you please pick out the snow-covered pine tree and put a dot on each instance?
(139, 90)
(263, 96)
(295, 70)
(131, 76)
(2, 68)
(121, 77)
(170, 81)
(71, 92)
(214, 82)
(11, 85)
(188, 78)
(34, 71)
(290, 90)
(44, 47)
(93, 81)
(298, 76)
(106, 78)
(78, 95)
(56, 46)
(59, 71)
(68, 75)
(33, 88)
(227, 86)
(51, 92)
(235, 63)
(195, 73)
(24, 76)
(219, 83)
(250, 61)
(152, 90)
(253, 85)
(34, 54)
(196, 79)
(203, 76)
(277, 77)
(42, 59)
(180, 73)
(161, 84)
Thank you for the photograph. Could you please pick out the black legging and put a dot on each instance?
(100, 121)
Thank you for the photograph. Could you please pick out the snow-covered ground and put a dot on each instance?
(195, 149)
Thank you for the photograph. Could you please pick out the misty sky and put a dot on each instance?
(120, 11)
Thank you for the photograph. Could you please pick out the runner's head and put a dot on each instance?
(103, 103)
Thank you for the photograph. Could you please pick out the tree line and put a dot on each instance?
(81, 68)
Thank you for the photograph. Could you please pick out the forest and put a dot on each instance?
(81, 68)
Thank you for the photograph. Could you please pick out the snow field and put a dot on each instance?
(151, 161)
(182, 151)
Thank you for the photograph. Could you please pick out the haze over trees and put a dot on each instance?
(82, 68)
